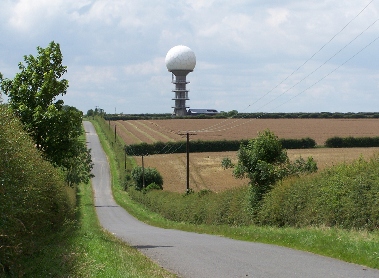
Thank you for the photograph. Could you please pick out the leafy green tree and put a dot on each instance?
(32, 93)
(55, 128)
(90, 113)
(264, 162)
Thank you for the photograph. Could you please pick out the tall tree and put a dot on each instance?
(55, 128)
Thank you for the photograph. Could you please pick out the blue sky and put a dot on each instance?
(250, 54)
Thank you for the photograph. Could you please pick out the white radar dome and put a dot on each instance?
(180, 57)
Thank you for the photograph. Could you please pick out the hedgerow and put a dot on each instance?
(344, 196)
(352, 142)
(34, 200)
(208, 146)
(203, 207)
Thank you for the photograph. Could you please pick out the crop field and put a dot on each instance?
(150, 131)
(205, 168)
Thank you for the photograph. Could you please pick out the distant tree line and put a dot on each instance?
(235, 114)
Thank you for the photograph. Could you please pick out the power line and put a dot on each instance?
(323, 64)
(212, 128)
(318, 51)
(331, 71)
(224, 128)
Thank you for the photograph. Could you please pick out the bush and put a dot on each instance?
(208, 146)
(34, 200)
(352, 142)
(344, 196)
(145, 177)
(153, 186)
(204, 207)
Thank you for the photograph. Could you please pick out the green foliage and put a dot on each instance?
(352, 142)
(32, 93)
(204, 207)
(264, 161)
(300, 166)
(34, 201)
(153, 186)
(146, 176)
(226, 163)
(261, 160)
(55, 128)
(208, 146)
(344, 196)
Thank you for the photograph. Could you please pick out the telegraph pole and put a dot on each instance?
(187, 162)
(143, 174)
(115, 127)
(125, 156)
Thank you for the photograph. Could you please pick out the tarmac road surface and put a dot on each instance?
(199, 255)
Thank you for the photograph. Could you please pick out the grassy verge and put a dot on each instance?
(84, 249)
(360, 247)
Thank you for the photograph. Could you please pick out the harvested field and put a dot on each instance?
(320, 130)
(206, 171)
(205, 168)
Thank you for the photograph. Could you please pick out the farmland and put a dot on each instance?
(206, 171)
(205, 168)
(150, 131)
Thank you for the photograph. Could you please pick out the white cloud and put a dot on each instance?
(93, 75)
(243, 49)
(277, 16)
(150, 67)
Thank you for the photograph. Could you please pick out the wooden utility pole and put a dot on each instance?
(115, 127)
(125, 156)
(187, 162)
(143, 174)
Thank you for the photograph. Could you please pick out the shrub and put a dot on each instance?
(34, 200)
(352, 142)
(153, 186)
(208, 146)
(344, 196)
(204, 207)
(145, 177)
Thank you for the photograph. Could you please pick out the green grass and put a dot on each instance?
(84, 249)
(360, 247)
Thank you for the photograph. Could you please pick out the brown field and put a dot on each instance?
(149, 131)
(206, 171)
(205, 168)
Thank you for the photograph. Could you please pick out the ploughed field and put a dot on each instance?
(205, 168)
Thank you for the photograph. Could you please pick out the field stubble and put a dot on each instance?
(206, 171)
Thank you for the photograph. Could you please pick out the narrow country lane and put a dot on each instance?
(195, 255)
